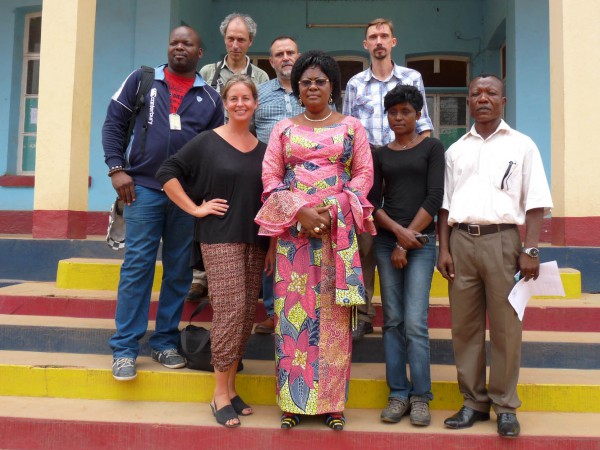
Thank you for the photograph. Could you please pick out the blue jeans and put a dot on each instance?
(267, 291)
(405, 301)
(152, 217)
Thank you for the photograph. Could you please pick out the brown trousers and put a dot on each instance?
(234, 273)
(484, 275)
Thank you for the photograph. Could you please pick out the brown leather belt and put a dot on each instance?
(481, 230)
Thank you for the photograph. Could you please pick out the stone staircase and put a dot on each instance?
(57, 390)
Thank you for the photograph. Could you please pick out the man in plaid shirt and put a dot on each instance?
(364, 100)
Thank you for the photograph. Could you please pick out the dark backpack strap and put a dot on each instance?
(140, 100)
(215, 80)
(199, 308)
(145, 85)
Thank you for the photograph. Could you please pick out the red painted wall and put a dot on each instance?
(561, 231)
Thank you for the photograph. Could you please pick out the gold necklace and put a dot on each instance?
(318, 120)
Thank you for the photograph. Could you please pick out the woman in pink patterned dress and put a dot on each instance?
(317, 173)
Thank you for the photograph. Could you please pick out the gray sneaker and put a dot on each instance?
(396, 408)
(168, 358)
(419, 411)
(123, 369)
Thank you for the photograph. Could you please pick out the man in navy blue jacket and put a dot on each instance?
(178, 106)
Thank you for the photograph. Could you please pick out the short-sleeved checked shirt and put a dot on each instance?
(364, 100)
(274, 104)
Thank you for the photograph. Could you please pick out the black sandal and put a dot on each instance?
(335, 421)
(224, 415)
(240, 405)
(289, 420)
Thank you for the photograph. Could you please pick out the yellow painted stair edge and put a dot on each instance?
(103, 274)
(87, 383)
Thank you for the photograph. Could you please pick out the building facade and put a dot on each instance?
(65, 58)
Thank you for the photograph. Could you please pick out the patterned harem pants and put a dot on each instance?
(234, 273)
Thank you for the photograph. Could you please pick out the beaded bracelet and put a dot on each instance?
(399, 247)
(114, 170)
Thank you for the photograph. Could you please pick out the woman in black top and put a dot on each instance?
(407, 193)
(220, 173)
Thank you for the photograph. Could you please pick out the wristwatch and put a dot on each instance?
(531, 251)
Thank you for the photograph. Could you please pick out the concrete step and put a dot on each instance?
(45, 298)
(73, 424)
(48, 252)
(65, 375)
(572, 350)
(103, 274)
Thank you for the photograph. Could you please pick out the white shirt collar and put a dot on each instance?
(502, 126)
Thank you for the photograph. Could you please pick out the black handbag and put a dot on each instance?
(194, 344)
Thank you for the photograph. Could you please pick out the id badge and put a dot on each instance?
(175, 121)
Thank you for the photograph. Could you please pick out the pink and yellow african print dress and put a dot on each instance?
(307, 166)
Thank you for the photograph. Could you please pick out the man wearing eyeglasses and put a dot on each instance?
(494, 182)
(364, 100)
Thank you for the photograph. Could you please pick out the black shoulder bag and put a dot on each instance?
(194, 344)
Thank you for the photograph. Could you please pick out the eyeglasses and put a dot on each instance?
(320, 82)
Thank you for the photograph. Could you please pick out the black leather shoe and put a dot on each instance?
(362, 328)
(508, 425)
(465, 418)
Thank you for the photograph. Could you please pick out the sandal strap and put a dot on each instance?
(289, 420)
(335, 420)
(225, 414)
(239, 405)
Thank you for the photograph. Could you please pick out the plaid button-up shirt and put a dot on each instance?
(274, 104)
(364, 100)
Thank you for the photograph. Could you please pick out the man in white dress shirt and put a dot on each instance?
(494, 182)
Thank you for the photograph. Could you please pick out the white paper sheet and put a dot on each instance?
(548, 283)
